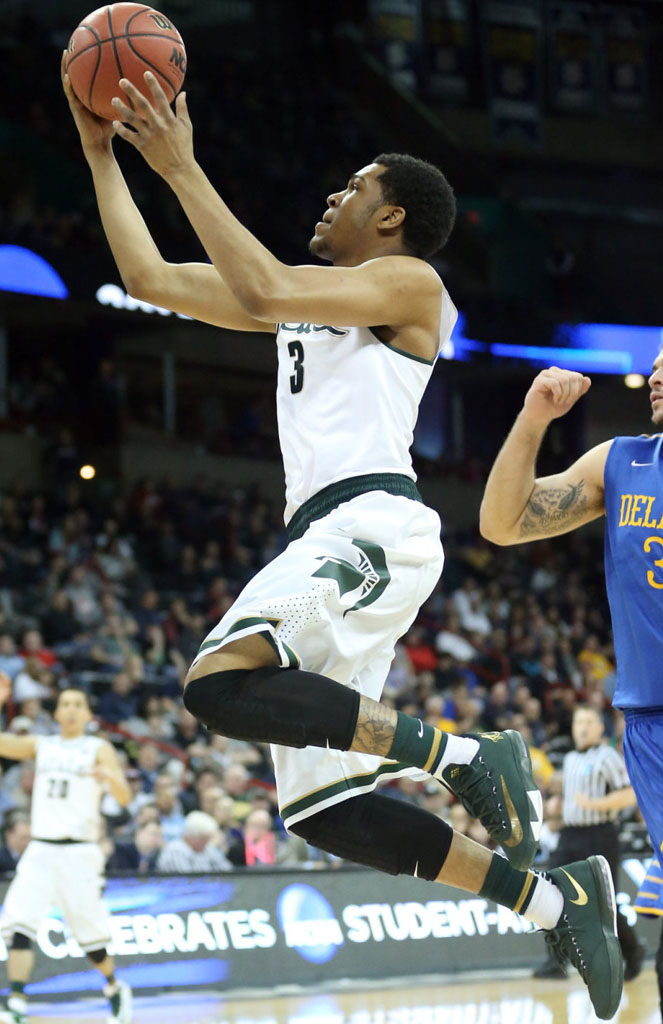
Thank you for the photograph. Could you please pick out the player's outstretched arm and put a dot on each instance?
(517, 506)
(18, 748)
(108, 771)
(194, 289)
(395, 290)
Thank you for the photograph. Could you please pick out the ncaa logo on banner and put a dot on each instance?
(309, 923)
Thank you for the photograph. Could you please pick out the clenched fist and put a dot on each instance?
(553, 393)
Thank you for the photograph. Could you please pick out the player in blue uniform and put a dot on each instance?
(623, 480)
(649, 903)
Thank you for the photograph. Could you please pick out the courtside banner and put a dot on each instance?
(265, 928)
(512, 36)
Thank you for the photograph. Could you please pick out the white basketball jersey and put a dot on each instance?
(347, 404)
(66, 797)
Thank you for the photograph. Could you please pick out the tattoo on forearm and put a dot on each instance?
(553, 508)
(375, 730)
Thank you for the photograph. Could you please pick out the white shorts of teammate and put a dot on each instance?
(335, 602)
(68, 876)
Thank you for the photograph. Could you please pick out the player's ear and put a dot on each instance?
(393, 217)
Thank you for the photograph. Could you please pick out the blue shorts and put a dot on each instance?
(649, 901)
(643, 753)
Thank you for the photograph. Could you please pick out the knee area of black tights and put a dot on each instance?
(20, 941)
(381, 832)
(97, 956)
(204, 696)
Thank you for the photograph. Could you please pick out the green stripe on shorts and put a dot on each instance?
(246, 623)
(334, 788)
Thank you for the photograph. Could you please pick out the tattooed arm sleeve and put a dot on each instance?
(552, 510)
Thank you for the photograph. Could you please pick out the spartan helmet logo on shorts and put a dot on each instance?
(371, 573)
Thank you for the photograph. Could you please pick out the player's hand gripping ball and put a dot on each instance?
(123, 41)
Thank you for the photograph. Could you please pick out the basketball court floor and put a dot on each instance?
(476, 999)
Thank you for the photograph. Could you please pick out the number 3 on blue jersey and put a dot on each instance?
(296, 350)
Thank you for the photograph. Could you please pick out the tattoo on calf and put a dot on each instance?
(553, 508)
(375, 730)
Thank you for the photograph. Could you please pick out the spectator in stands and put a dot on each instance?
(17, 837)
(33, 647)
(498, 709)
(419, 651)
(236, 781)
(120, 702)
(206, 778)
(188, 729)
(34, 680)
(171, 815)
(142, 853)
(450, 640)
(58, 623)
(11, 662)
(147, 613)
(39, 721)
(259, 839)
(17, 784)
(198, 850)
(148, 761)
(7, 805)
(232, 834)
(209, 799)
(83, 592)
(112, 643)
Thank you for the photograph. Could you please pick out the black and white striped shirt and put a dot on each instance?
(594, 772)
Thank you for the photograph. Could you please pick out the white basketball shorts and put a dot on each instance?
(335, 602)
(68, 876)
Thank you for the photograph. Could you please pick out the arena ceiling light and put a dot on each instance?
(25, 271)
(588, 348)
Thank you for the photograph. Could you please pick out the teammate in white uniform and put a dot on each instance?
(63, 864)
(301, 657)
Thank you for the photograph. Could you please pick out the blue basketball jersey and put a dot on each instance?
(634, 567)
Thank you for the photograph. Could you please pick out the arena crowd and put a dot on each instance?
(116, 598)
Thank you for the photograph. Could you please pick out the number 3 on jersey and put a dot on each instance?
(296, 350)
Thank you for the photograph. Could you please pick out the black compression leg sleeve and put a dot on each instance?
(275, 705)
(97, 956)
(20, 941)
(382, 833)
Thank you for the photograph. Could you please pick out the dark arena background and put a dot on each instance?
(141, 485)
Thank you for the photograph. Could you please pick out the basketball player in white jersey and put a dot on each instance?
(63, 864)
(301, 657)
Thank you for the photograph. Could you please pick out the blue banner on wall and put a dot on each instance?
(572, 57)
(396, 26)
(446, 49)
(512, 36)
(625, 58)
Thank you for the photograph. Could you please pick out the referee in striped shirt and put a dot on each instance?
(595, 788)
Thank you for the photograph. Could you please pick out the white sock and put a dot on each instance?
(459, 750)
(547, 903)
(110, 989)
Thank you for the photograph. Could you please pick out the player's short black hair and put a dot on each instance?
(589, 707)
(74, 689)
(425, 195)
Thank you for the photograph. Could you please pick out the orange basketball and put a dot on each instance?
(123, 41)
